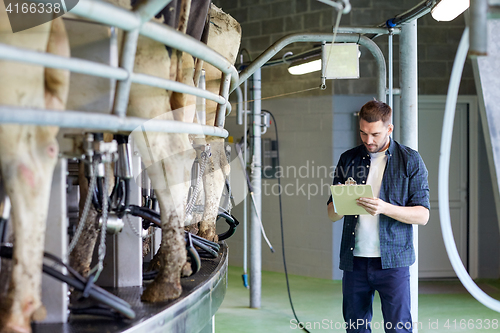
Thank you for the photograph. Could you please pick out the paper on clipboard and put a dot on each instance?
(344, 198)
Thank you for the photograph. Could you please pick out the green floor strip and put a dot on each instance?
(444, 306)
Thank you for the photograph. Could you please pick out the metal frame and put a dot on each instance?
(408, 82)
(133, 22)
(326, 37)
(256, 210)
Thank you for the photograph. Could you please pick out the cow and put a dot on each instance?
(28, 155)
(147, 102)
(224, 37)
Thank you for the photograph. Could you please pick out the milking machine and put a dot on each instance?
(113, 207)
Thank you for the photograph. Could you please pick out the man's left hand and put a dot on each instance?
(374, 206)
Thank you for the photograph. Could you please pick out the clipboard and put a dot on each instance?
(344, 198)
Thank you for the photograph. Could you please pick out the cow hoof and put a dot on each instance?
(186, 270)
(209, 235)
(39, 314)
(160, 292)
(193, 228)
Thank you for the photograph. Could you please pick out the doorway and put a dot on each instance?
(433, 259)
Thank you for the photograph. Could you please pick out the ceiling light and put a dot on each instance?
(447, 10)
(309, 65)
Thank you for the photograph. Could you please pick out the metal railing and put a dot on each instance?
(132, 22)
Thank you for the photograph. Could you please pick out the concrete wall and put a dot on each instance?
(316, 126)
(265, 21)
(305, 143)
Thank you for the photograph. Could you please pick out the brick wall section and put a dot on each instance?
(265, 21)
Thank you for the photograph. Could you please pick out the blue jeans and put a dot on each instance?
(358, 288)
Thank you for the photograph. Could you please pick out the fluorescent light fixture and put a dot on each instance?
(305, 66)
(448, 10)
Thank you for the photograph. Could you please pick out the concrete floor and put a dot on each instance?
(444, 306)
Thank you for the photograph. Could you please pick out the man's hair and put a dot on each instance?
(374, 111)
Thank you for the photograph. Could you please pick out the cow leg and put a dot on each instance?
(28, 155)
(213, 184)
(81, 256)
(169, 158)
(28, 178)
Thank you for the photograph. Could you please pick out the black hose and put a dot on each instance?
(78, 282)
(233, 224)
(213, 245)
(127, 192)
(281, 222)
(99, 189)
(95, 292)
(193, 254)
(95, 311)
(95, 199)
(146, 214)
(114, 192)
(3, 230)
(207, 248)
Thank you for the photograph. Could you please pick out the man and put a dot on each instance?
(377, 248)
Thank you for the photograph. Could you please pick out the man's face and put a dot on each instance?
(375, 136)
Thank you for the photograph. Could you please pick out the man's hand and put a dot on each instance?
(408, 215)
(331, 213)
(373, 206)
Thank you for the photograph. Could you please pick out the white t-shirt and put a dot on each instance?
(367, 230)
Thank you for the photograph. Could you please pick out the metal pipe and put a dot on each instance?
(107, 13)
(176, 86)
(391, 70)
(239, 107)
(148, 9)
(171, 37)
(367, 30)
(126, 20)
(82, 66)
(127, 63)
(256, 210)
(201, 104)
(408, 79)
(412, 14)
(409, 85)
(99, 121)
(324, 63)
(221, 108)
(12, 53)
(478, 28)
(317, 51)
(245, 159)
(315, 37)
(124, 164)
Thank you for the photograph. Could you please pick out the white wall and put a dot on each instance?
(305, 133)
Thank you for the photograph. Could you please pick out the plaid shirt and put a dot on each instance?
(404, 184)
